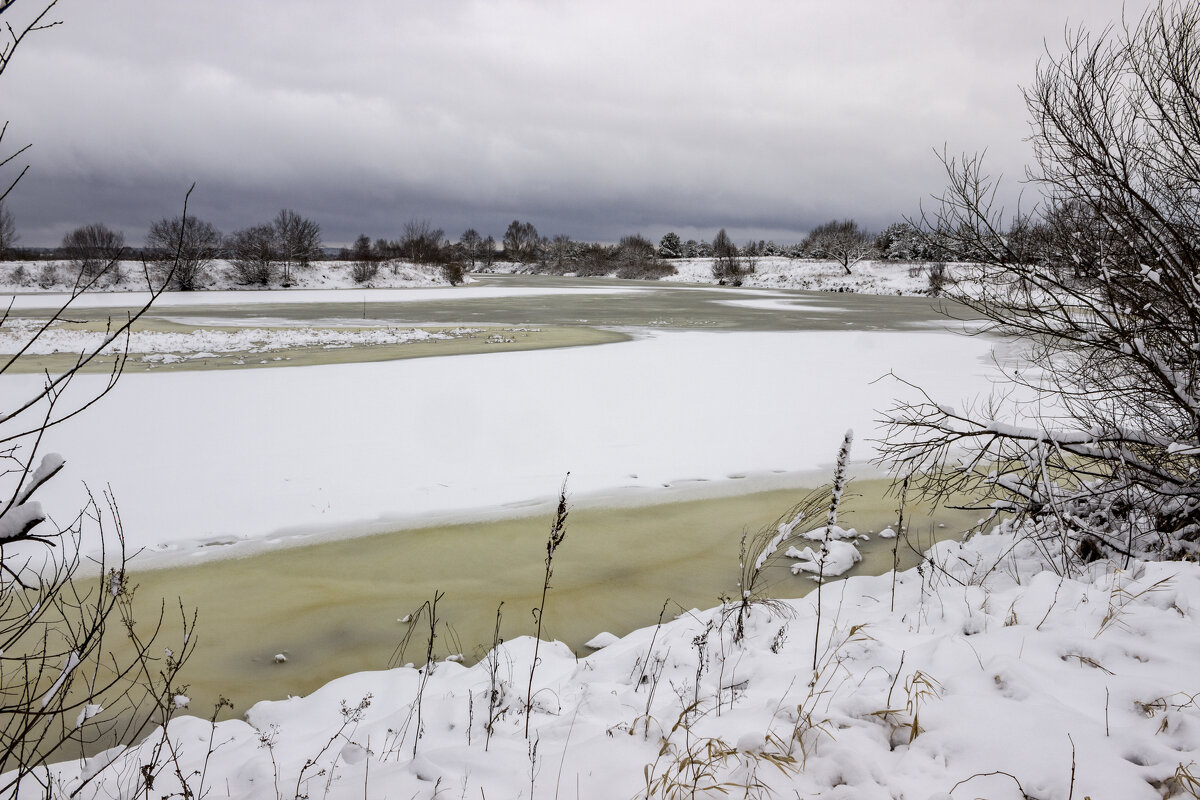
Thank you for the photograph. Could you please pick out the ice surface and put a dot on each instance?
(256, 453)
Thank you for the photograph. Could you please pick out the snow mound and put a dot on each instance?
(601, 640)
(838, 559)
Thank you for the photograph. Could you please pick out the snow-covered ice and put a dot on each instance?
(49, 300)
(231, 455)
(202, 343)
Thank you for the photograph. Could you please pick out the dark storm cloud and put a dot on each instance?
(593, 119)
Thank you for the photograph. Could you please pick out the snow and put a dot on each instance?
(839, 557)
(993, 677)
(203, 343)
(979, 674)
(26, 299)
(779, 272)
(130, 276)
(69, 665)
(775, 272)
(20, 519)
(47, 467)
(835, 532)
(236, 456)
(601, 640)
(87, 712)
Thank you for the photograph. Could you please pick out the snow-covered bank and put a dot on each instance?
(777, 272)
(867, 277)
(218, 458)
(983, 676)
(130, 276)
(770, 272)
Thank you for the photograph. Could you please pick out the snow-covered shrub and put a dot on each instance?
(452, 271)
(939, 278)
(646, 271)
(47, 276)
(364, 270)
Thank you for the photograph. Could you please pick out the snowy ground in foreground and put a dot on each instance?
(219, 457)
(991, 678)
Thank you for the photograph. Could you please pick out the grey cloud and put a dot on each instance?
(594, 119)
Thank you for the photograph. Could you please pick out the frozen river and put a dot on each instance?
(722, 390)
(709, 397)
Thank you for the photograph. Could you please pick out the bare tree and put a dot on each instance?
(297, 241)
(1100, 285)
(365, 258)
(843, 242)
(727, 266)
(560, 252)
(93, 250)
(63, 685)
(253, 254)
(470, 242)
(386, 250)
(522, 243)
(751, 252)
(184, 249)
(11, 39)
(487, 252)
(421, 243)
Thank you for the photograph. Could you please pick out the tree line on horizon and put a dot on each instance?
(269, 253)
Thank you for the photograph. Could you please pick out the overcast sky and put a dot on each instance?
(594, 119)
